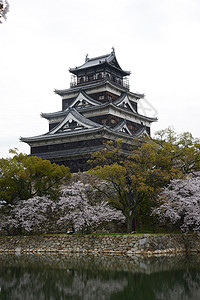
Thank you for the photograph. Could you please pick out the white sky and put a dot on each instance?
(157, 40)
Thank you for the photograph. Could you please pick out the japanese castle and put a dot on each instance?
(97, 107)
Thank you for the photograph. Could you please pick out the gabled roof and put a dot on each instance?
(95, 132)
(142, 132)
(122, 127)
(74, 116)
(124, 101)
(109, 59)
(59, 135)
(99, 107)
(82, 124)
(118, 108)
(83, 96)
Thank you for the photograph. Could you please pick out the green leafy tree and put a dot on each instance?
(137, 176)
(133, 179)
(186, 149)
(22, 177)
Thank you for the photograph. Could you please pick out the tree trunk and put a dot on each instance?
(130, 224)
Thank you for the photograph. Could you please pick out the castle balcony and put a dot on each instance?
(95, 79)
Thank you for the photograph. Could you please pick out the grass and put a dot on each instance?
(109, 234)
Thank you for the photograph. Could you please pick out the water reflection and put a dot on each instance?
(62, 277)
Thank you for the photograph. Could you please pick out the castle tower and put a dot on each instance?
(96, 108)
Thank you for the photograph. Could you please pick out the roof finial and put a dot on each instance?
(86, 57)
(113, 50)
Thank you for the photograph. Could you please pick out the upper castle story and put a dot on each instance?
(99, 68)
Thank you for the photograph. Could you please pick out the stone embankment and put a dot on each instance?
(145, 244)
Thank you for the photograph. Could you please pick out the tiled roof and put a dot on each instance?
(110, 59)
(78, 117)
(90, 99)
(124, 99)
(101, 105)
(47, 136)
(90, 62)
(98, 131)
(97, 84)
(122, 125)
(64, 112)
(90, 125)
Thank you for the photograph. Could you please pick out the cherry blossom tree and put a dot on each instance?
(28, 216)
(76, 209)
(4, 7)
(180, 203)
(41, 214)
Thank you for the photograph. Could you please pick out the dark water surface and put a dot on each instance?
(58, 277)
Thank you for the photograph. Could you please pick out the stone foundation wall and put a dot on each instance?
(107, 244)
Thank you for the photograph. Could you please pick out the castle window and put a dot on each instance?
(100, 76)
(90, 77)
(72, 124)
(101, 97)
(84, 103)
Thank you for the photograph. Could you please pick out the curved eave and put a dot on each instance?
(104, 105)
(48, 136)
(92, 101)
(98, 84)
(88, 97)
(51, 115)
(123, 72)
(85, 65)
(77, 70)
(78, 88)
(101, 131)
(141, 131)
(64, 112)
(96, 61)
(134, 114)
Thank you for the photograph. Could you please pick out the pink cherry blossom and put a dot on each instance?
(76, 209)
(180, 203)
(36, 214)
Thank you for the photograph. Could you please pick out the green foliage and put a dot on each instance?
(22, 177)
(185, 149)
(110, 154)
(134, 179)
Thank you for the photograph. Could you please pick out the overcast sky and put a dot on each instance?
(157, 40)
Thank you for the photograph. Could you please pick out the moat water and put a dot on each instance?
(60, 277)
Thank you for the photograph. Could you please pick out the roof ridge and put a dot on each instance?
(98, 57)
